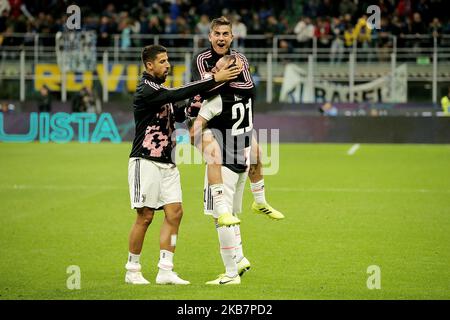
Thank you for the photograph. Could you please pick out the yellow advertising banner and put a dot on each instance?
(120, 77)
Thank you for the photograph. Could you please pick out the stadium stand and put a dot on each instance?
(272, 34)
(328, 20)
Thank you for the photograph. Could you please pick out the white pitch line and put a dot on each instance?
(359, 190)
(58, 187)
(353, 149)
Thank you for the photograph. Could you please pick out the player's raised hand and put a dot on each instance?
(226, 74)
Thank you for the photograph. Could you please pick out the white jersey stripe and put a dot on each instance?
(152, 84)
(200, 59)
(246, 73)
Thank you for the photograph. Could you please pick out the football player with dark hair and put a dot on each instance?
(154, 179)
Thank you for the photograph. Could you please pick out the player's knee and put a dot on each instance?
(176, 215)
(179, 213)
(145, 216)
(214, 157)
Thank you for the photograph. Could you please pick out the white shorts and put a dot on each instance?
(233, 184)
(153, 184)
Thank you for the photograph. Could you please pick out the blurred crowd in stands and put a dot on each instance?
(334, 24)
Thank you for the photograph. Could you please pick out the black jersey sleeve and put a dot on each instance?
(195, 69)
(155, 94)
(244, 84)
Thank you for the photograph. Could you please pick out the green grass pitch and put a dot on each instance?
(386, 205)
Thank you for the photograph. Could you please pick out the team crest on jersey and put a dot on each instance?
(238, 97)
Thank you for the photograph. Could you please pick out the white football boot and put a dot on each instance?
(134, 274)
(169, 277)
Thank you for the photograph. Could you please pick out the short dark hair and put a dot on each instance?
(222, 21)
(226, 59)
(230, 57)
(149, 53)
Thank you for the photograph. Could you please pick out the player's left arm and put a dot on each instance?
(206, 143)
(209, 109)
(196, 131)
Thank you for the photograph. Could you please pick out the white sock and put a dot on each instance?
(165, 260)
(238, 241)
(258, 191)
(133, 262)
(219, 203)
(227, 250)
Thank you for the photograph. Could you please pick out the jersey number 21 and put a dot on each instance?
(244, 112)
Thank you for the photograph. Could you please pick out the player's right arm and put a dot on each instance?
(158, 95)
(155, 94)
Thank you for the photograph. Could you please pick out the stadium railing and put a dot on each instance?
(427, 58)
